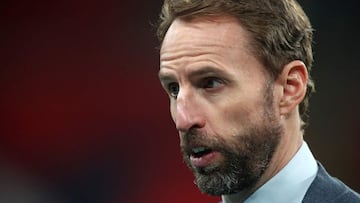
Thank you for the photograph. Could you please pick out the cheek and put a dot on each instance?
(237, 110)
(234, 119)
(237, 118)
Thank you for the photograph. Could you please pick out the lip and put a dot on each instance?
(204, 160)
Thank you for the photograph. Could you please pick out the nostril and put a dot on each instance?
(197, 125)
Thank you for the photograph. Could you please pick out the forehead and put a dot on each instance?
(205, 31)
(218, 41)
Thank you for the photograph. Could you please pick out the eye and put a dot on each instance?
(173, 89)
(210, 83)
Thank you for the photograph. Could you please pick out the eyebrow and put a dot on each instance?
(199, 72)
(164, 76)
(207, 70)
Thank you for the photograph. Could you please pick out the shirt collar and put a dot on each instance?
(291, 183)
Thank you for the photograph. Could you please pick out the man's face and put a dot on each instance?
(221, 101)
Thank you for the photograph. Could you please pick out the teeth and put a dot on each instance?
(198, 149)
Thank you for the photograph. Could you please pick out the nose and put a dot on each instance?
(188, 114)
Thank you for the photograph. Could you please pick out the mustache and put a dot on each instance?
(193, 137)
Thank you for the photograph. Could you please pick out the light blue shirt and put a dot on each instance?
(291, 183)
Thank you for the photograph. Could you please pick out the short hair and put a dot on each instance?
(280, 31)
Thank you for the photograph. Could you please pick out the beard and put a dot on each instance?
(245, 158)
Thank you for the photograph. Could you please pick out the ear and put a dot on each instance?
(294, 81)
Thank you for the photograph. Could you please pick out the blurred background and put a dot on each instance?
(83, 118)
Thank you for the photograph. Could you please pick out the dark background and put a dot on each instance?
(83, 117)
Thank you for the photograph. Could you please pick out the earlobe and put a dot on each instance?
(294, 80)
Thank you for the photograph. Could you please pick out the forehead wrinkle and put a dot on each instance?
(178, 36)
(186, 41)
(199, 62)
(202, 48)
(187, 50)
(220, 25)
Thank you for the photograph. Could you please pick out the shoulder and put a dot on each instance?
(325, 188)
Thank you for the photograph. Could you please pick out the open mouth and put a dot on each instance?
(200, 151)
(201, 157)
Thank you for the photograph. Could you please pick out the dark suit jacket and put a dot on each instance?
(325, 189)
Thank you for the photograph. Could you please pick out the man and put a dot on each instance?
(237, 73)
